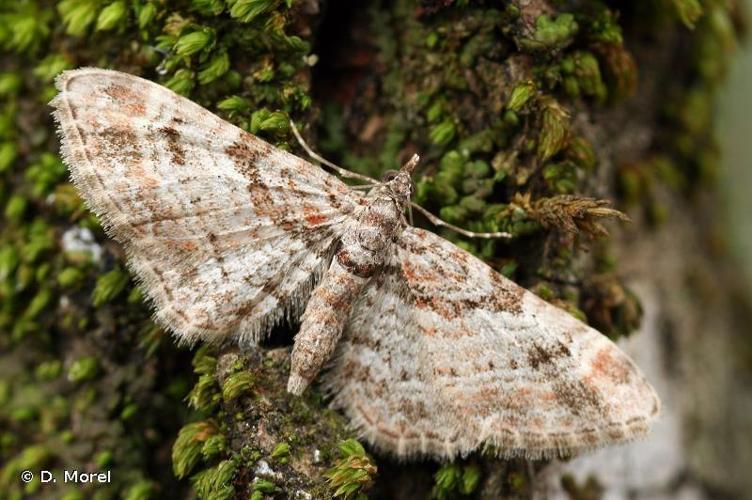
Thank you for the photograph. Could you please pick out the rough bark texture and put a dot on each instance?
(521, 110)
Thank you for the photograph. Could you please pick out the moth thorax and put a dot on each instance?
(400, 186)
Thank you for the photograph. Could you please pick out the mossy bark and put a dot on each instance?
(525, 114)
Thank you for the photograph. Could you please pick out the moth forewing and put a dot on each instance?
(226, 233)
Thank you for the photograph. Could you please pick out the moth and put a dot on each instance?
(430, 352)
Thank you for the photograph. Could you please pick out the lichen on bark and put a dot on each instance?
(527, 113)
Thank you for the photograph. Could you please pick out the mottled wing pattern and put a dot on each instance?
(226, 232)
(443, 355)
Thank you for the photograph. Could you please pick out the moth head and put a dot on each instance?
(400, 182)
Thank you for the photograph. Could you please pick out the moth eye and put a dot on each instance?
(389, 175)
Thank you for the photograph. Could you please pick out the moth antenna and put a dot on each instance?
(341, 171)
(367, 186)
(470, 234)
(410, 213)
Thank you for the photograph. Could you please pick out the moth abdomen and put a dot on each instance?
(322, 324)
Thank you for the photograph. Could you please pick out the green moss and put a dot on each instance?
(112, 16)
(26, 26)
(583, 76)
(8, 154)
(216, 483)
(521, 95)
(580, 152)
(248, 10)
(77, 15)
(145, 14)
(455, 479)
(194, 42)
(103, 459)
(187, 450)
(31, 458)
(83, 369)
(109, 286)
(281, 451)
(9, 260)
(689, 11)
(443, 133)
(71, 277)
(213, 446)
(49, 370)
(353, 474)
(264, 120)
(551, 33)
(141, 490)
(236, 384)
(264, 486)
(129, 412)
(15, 209)
(554, 128)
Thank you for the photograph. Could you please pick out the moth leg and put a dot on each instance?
(341, 171)
(442, 223)
(322, 323)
